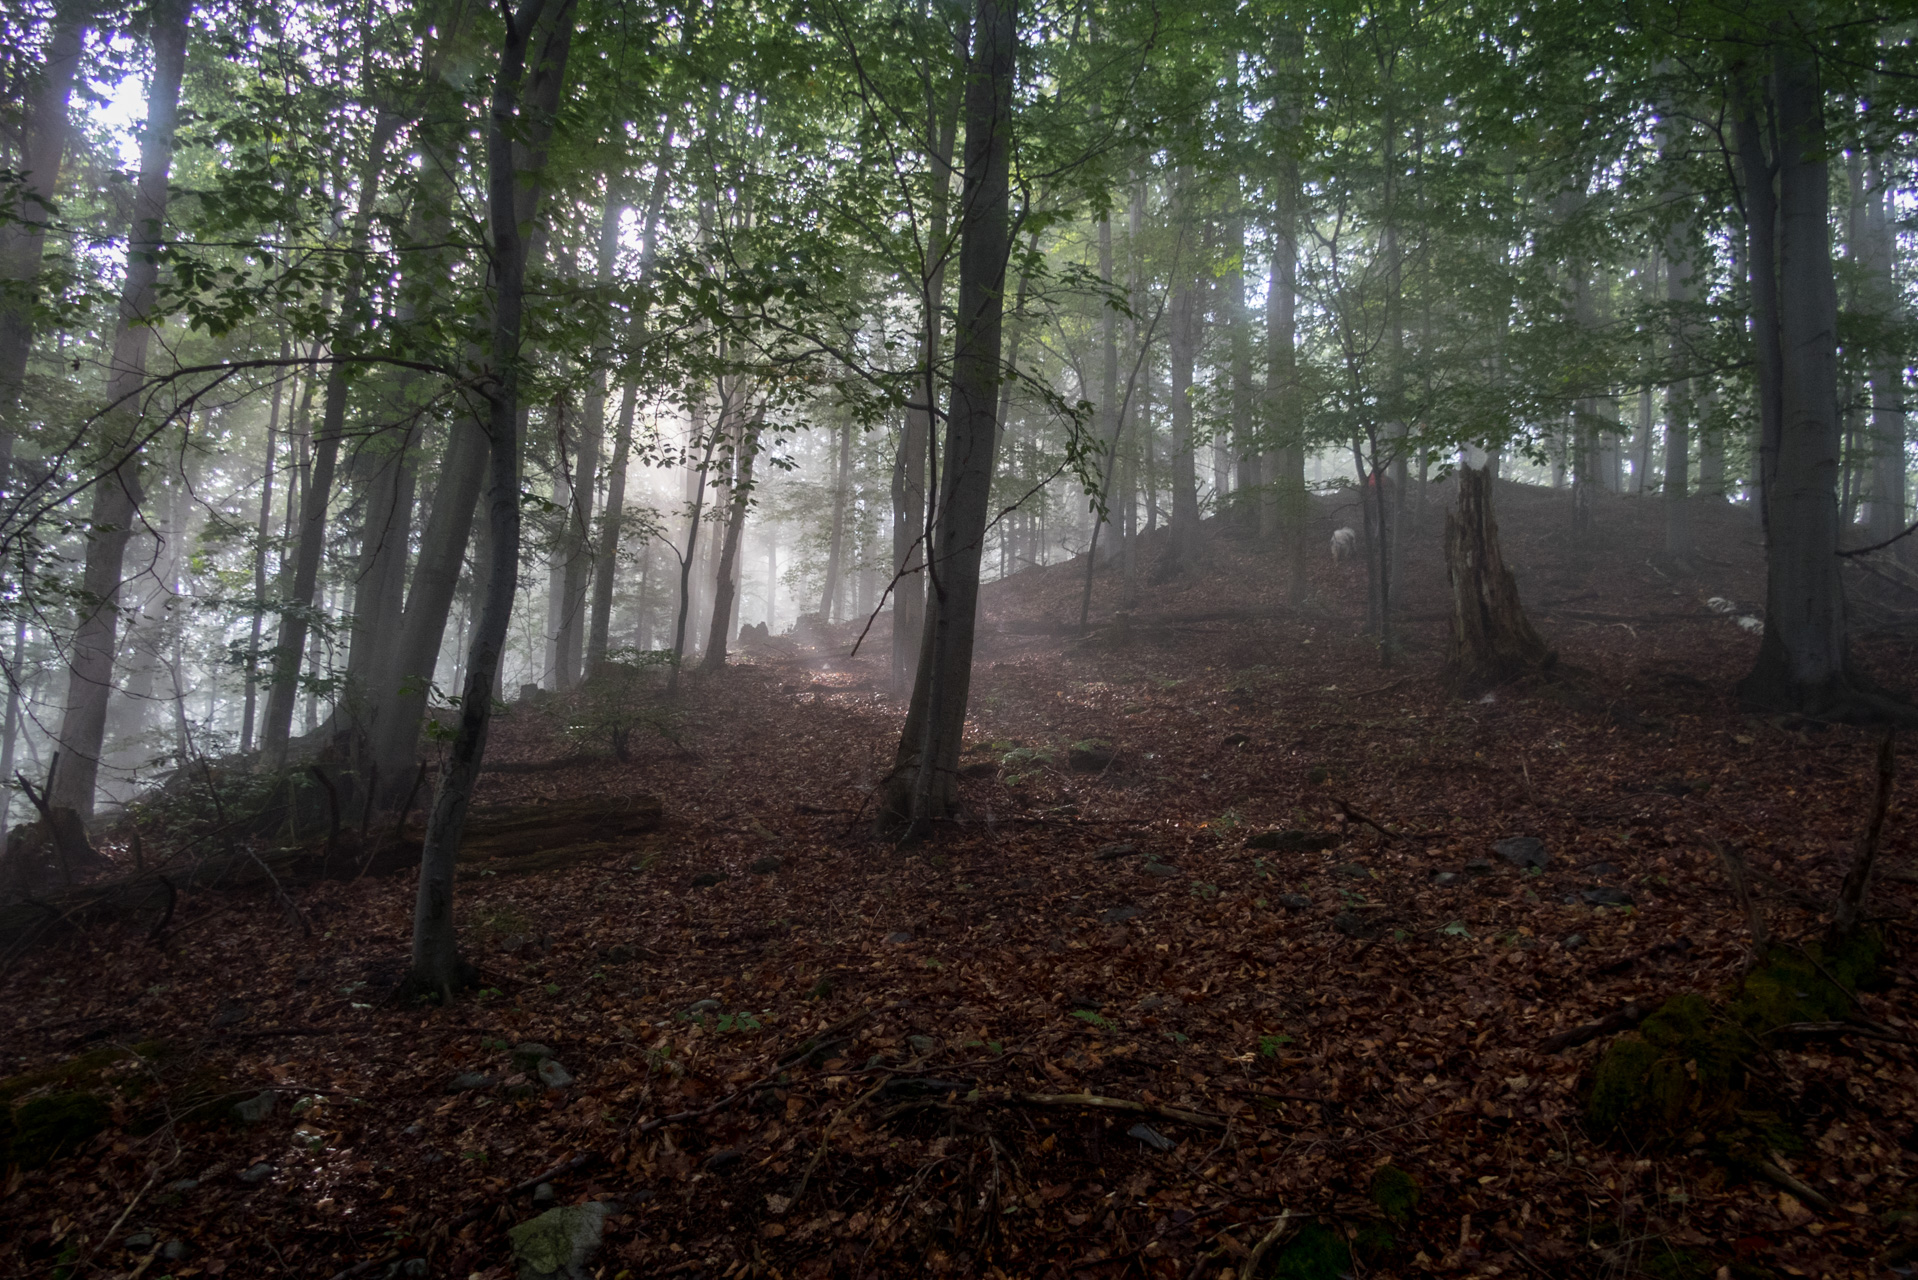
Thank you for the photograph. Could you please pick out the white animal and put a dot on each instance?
(1345, 543)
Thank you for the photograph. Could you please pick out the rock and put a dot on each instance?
(560, 1243)
(1446, 879)
(1153, 1002)
(1113, 852)
(1523, 851)
(554, 1076)
(708, 1005)
(1574, 941)
(924, 1046)
(1295, 902)
(412, 1267)
(1119, 915)
(414, 1131)
(1091, 756)
(254, 1175)
(139, 1240)
(528, 1056)
(467, 1081)
(1354, 871)
(1601, 871)
(765, 866)
(1607, 897)
(722, 1160)
(707, 879)
(180, 1186)
(899, 936)
(256, 1108)
(1151, 1137)
(1295, 841)
(1160, 869)
(1478, 867)
(544, 1193)
(173, 1250)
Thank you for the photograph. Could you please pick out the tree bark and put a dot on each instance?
(437, 970)
(261, 534)
(922, 785)
(116, 494)
(1492, 640)
(836, 548)
(726, 588)
(1183, 352)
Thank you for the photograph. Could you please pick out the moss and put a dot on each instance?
(37, 1131)
(1396, 1192)
(1317, 1252)
(1374, 1242)
(74, 1070)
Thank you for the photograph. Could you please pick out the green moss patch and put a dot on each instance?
(1395, 1192)
(1684, 1072)
(54, 1125)
(1316, 1252)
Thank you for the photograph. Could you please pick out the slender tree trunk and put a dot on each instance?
(692, 547)
(725, 591)
(1183, 352)
(921, 788)
(261, 534)
(11, 733)
(21, 243)
(1888, 503)
(276, 731)
(835, 550)
(437, 970)
(116, 494)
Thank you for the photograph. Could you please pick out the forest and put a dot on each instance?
(811, 638)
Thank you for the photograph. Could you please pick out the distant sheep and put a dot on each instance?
(1345, 543)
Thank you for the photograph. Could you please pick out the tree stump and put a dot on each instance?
(1492, 640)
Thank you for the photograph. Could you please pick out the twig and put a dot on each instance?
(1735, 872)
(1816, 1199)
(819, 1153)
(1820, 1029)
(1621, 1020)
(1097, 1102)
(1851, 895)
(333, 810)
(1355, 816)
(1270, 1238)
(286, 899)
(172, 900)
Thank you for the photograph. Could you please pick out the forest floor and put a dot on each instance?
(796, 1053)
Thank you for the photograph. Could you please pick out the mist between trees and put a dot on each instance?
(361, 368)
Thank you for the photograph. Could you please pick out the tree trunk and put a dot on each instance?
(1492, 640)
(48, 128)
(1803, 657)
(574, 617)
(726, 588)
(116, 494)
(283, 690)
(261, 534)
(1885, 513)
(437, 970)
(836, 548)
(922, 784)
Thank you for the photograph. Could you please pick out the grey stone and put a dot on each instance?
(179, 1186)
(254, 1175)
(765, 866)
(707, 879)
(468, 1080)
(1606, 897)
(1295, 841)
(1478, 867)
(560, 1243)
(1119, 915)
(544, 1193)
(722, 1160)
(1574, 941)
(173, 1250)
(1523, 851)
(554, 1076)
(1446, 879)
(256, 1108)
(139, 1240)
(1295, 902)
(528, 1056)
(922, 1045)
(1153, 1002)
(1113, 852)
(1354, 871)
(1151, 1137)
(413, 1267)
(1602, 871)
(708, 1005)
(899, 936)
(1160, 870)
(1354, 925)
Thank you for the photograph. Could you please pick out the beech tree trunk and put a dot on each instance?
(437, 970)
(116, 494)
(49, 126)
(921, 788)
(1183, 352)
(836, 548)
(727, 585)
(1492, 640)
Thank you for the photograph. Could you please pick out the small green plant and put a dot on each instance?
(1456, 929)
(624, 692)
(1269, 1046)
(741, 1021)
(1227, 822)
(1207, 891)
(1093, 1018)
(1023, 764)
(551, 988)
